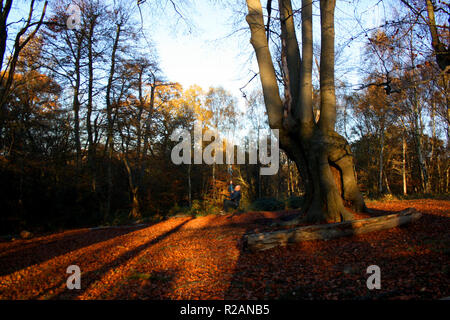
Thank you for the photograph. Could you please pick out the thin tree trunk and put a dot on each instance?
(76, 102)
(439, 184)
(139, 117)
(3, 29)
(289, 178)
(386, 181)
(135, 207)
(258, 167)
(380, 164)
(447, 181)
(189, 185)
(404, 164)
(432, 163)
(421, 160)
(418, 133)
(441, 51)
(214, 181)
(110, 134)
(91, 145)
(147, 125)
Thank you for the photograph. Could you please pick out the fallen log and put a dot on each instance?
(267, 240)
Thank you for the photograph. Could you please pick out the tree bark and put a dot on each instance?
(135, 207)
(91, 145)
(315, 147)
(419, 149)
(442, 52)
(381, 160)
(76, 101)
(4, 13)
(189, 186)
(404, 164)
(110, 133)
(267, 240)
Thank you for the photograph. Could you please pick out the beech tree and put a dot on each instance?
(323, 157)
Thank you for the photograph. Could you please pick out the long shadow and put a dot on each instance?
(248, 265)
(336, 269)
(39, 251)
(90, 277)
(257, 276)
(164, 281)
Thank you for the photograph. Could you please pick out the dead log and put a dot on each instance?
(267, 240)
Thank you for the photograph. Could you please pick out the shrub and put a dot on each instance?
(196, 208)
(294, 202)
(210, 207)
(267, 204)
(176, 209)
(120, 217)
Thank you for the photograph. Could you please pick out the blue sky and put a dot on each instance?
(205, 58)
(203, 54)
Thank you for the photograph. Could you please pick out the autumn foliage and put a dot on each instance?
(202, 258)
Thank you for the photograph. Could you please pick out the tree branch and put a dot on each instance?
(327, 89)
(305, 112)
(290, 52)
(258, 40)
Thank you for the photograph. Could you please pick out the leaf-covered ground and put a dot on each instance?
(202, 258)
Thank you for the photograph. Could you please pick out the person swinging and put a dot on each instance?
(235, 198)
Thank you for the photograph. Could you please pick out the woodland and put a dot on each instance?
(87, 116)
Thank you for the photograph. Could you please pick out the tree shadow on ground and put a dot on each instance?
(153, 286)
(90, 277)
(24, 253)
(337, 268)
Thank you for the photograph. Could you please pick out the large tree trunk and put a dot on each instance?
(315, 147)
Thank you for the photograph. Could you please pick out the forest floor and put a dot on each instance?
(202, 258)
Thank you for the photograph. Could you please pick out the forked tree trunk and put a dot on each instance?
(314, 146)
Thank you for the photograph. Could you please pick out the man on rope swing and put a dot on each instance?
(233, 202)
